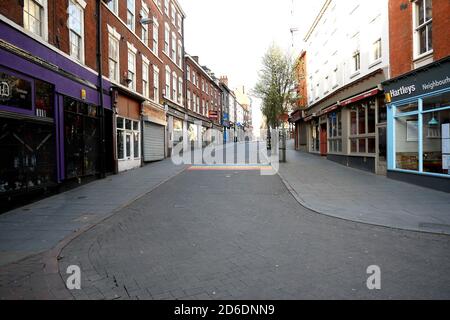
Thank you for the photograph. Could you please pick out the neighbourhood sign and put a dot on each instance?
(419, 82)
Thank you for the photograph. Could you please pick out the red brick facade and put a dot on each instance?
(200, 84)
(401, 34)
(302, 89)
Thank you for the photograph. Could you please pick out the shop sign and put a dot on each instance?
(214, 115)
(15, 92)
(432, 78)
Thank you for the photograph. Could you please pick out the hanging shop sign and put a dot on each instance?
(15, 92)
(213, 115)
(419, 82)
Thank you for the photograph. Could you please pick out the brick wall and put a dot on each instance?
(401, 34)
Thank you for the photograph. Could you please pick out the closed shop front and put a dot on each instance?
(153, 141)
(154, 132)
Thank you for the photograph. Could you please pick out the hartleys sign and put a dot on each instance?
(422, 81)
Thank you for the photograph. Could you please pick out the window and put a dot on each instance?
(376, 50)
(180, 54)
(155, 36)
(174, 86)
(168, 80)
(173, 52)
(113, 53)
(166, 7)
(189, 99)
(155, 84)
(76, 30)
(335, 132)
(423, 26)
(128, 139)
(362, 128)
(356, 62)
(145, 78)
(34, 12)
(166, 38)
(131, 15)
(179, 23)
(429, 127)
(180, 90)
(315, 137)
(172, 13)
(144, 30)
(188, 73)
(131, 70)
(114, 6)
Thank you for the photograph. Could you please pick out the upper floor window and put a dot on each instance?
(145, 78)
(166, 7)
(155, 84)
(423, 19)
(166, 38)
(173, 52)
(114, 6)
(131, 14)
(34, 16)
(131, 70)
(188, 73)
(172, 14)
(155, 36)
(113, 54)
(376, 50)
(144, 31)
(76, 30)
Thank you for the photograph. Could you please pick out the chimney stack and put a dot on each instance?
(224, 80)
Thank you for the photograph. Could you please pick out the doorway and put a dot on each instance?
(381, 150)
(82, 138)
(323, 140)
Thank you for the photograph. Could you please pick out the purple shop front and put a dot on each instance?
(51, 123)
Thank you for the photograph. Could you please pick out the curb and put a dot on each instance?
(51, 257)
(304, 204)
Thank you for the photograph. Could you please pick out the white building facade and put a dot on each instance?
(347, 60)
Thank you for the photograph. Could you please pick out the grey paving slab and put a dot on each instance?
(40, 226)
(339, 191)
(220, 247)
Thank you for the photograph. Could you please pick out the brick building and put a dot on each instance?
(203, 101)
(418, 93)
(296, 117)
(55, 110)
(144, 48)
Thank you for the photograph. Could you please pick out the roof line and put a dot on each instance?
(316, 21)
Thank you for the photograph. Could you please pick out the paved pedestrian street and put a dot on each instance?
(236, 235)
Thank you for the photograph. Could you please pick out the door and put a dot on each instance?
(323, 140)
(153, 142)
(382, 150)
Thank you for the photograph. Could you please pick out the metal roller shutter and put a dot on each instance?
(153, 141)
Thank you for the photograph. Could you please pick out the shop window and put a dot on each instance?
(15, 92)
(44, 99)
(362, 127)
(440, 101)
(28, 156)
(382, 111)
(406, 143)
(335, 132)
(128, 139)
(81, 138)
(436, 141)
(315, 135)
(177, 131)
(411, 107)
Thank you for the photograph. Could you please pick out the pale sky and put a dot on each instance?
(231, 36)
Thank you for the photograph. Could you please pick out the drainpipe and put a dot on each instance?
(100, 80)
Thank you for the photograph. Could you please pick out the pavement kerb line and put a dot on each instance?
(307, 206)
(51, 257)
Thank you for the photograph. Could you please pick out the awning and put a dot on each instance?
(359, 97)
(330, 109)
